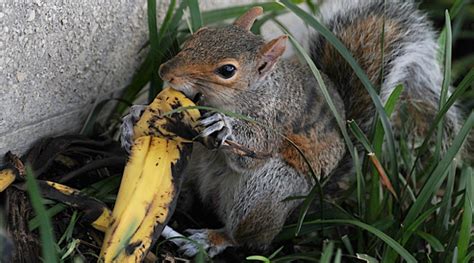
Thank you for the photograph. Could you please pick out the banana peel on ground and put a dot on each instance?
(152, 177)
(8, 175)
(96, 213)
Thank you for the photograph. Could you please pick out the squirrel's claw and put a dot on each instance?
(126, 129)
(217, 129)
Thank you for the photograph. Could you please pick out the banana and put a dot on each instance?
(7, 177)
(152, 177)
(95, 212)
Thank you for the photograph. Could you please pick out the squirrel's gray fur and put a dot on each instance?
(248, 194)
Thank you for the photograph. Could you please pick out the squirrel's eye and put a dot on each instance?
(226, 71)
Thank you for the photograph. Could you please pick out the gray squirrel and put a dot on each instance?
(238, 71)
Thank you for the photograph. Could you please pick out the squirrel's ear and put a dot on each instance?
(270, 53)
(247, 19)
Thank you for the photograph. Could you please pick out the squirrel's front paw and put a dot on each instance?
(126, 129)
(216, 129)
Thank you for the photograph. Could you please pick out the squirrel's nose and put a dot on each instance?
(164, 72)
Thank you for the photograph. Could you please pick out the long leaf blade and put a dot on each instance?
(384, 237)
(48, 243)
(196, 18)
(466, 224)
(446, 82)
(439, 173)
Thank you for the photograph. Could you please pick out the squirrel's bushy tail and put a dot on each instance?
(408, 57)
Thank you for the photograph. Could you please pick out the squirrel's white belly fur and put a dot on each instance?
(220, 187)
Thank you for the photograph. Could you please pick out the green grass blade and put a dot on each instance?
(317, 189)
(338, 256)
(167, 20)
(296, 258)
(88, 127)
(360, 136)
(327, 96)
(172, 35)
(445, 211)
(196, 18)
(139, 80)
(433, 241)
(346, 54)
(419, 220)
(328, 250)
(69, 229)
(360, 184)
(454, 11)
(154, 49)
(177, 18)
(48, 244)
(158, 44)
(381, 235)
(458, 92)
(339, 120)
(377, 142)
(390, 105)
(70, 248)
(152, 27)
(367, 258)
(312, 7)
(439, 172)
(276, 252)
(446, 82)
(35, 222)
(466, 224)
(144, 72)
(468, 257)
(374, 205)
(457, 7)
(347, 243)
(258, 258)
(455, 255)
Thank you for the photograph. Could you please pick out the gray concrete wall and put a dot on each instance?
(57, 57)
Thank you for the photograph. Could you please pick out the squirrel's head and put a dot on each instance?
(221, 63)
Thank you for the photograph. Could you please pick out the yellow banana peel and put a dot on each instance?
(152, 177)
(7, 177)
(95, 212)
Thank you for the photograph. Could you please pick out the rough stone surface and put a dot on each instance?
(57, 57)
